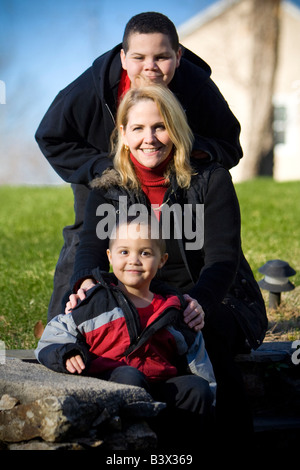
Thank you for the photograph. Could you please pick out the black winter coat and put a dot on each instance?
(214, 273)
(74, 134)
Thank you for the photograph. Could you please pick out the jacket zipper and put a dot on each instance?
(130, 317)
(135, 344)
(110, 113)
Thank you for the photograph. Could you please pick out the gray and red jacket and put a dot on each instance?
(105, 330)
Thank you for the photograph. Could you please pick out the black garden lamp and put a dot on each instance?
(276, 280)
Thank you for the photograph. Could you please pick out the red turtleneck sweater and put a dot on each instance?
(124, 85)
(152, 180)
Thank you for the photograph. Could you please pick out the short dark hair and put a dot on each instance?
(148, 220)
(148, 23)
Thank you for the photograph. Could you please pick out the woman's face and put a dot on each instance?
(146, 135)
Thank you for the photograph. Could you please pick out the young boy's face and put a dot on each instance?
(150, 56)
(135, 261)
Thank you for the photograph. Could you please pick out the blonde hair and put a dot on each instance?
(176, 124)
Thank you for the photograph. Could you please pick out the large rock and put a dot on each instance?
(52, 419)
(37, 403)
(29, 381)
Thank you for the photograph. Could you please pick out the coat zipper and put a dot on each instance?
(110, 113)
(135, 344)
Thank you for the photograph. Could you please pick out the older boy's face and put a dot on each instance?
(151, 57)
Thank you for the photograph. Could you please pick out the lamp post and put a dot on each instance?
(276, 280)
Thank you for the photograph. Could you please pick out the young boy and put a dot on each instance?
(130, 330)
(74, 134)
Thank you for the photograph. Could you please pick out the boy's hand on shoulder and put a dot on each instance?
(75, 364)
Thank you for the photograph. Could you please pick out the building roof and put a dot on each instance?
(217, 9)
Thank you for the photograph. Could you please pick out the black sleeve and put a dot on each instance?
(91, 252)
(54, 356)
(72, 135)
(216, 129)
(222, 244)
(61, 340)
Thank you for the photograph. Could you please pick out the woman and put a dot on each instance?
(151, 166)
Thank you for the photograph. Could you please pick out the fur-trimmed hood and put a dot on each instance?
(110, 177)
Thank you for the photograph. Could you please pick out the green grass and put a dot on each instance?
(270, 214)
(31, 223)
(271, 230)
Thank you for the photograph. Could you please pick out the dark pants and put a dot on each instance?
(223, 340)
(65, 263)
(187, 418)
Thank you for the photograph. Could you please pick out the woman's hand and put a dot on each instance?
(81, 294)
(193, 314)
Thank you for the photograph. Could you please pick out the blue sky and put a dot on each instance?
(45, 44)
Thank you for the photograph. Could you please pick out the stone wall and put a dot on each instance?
(42, 409)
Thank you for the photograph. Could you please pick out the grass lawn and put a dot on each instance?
(271, 230)
(31, 223)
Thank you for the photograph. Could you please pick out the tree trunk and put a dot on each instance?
(264, 23)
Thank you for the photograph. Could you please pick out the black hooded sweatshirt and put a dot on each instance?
(74, 134)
